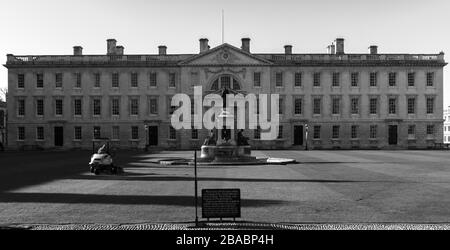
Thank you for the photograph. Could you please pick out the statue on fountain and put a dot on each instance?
(241, 139)
(211, 139)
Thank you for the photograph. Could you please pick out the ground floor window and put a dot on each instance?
(411, 131)
(40, 133)
(373, 131)
(316, 132)
(280, 132)
(430, 130)
(97, 132)
(21, 133)
(335, 130)
(134, 132)
(194, 134)
(77, 133)
(172, 133)
(354, 131)
(115, 132)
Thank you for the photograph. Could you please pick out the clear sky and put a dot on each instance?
(55, 26)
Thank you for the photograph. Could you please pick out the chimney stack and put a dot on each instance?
(77, 50)
(245, 44)
(373, 49)
(339, 46)
(331, 49)
(119, 50)
(203, 45)
(111, 46)
(162, 50)
(288, 49)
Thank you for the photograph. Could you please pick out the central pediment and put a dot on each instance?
(225, 54)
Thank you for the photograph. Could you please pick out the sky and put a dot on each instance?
(37, 27)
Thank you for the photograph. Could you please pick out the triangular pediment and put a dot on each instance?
(225, 54)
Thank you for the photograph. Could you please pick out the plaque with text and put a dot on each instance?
(221, 203)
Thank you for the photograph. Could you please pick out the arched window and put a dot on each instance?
(225, 81)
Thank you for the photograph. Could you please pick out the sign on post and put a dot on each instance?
(221, 203)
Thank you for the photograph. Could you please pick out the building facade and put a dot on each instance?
(3, 120)
(327, 101)
(447, 125)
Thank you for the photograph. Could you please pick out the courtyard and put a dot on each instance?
(322, 187)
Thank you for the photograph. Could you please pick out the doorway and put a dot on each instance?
(298, 135)
(153, 135)
(59, 136)
(393, 134)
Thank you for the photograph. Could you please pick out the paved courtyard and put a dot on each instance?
(323, 187)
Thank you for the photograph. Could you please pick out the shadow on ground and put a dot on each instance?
(170, 200)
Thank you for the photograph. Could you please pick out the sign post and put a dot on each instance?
(196, 193)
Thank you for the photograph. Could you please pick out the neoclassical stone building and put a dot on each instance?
(329, 100)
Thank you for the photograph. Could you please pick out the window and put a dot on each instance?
(336, 79)
(152, 79)
(134, 132)
(134, 103)
(236, 84)
(373, 131)
(335, 131)
(97, 106)
(336, 106)
(77, 133)
(58, 80)
(392, 79)
(280, 106)
(40, 133)
(411, 105)
(430, 105)
(153, 106)
(58, 107)
(316, 132)
(97, 132)
(373, 106)
(77, 107)
(354, 79)
(20, 133)
(354, 131)
(134, 80)
(194, 79)
(97, 80)
(39, 107)
(115, 106)
(373, 79)
(172, 133)
(39, 80)
(257, 134)
(298, 106)
(411, 130)
(298, 79)
(21, 107)
(317, 105)
(194, 134)
(280, 132)
(354, 105)
(257, 79)
(430, 129)
(77, 80)
(316, 79)
(115, 133)
(279, 79)
(172, 80)
(430, 79)
(20, 81)
(411, 79)
(392, 106)
(115, 80)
